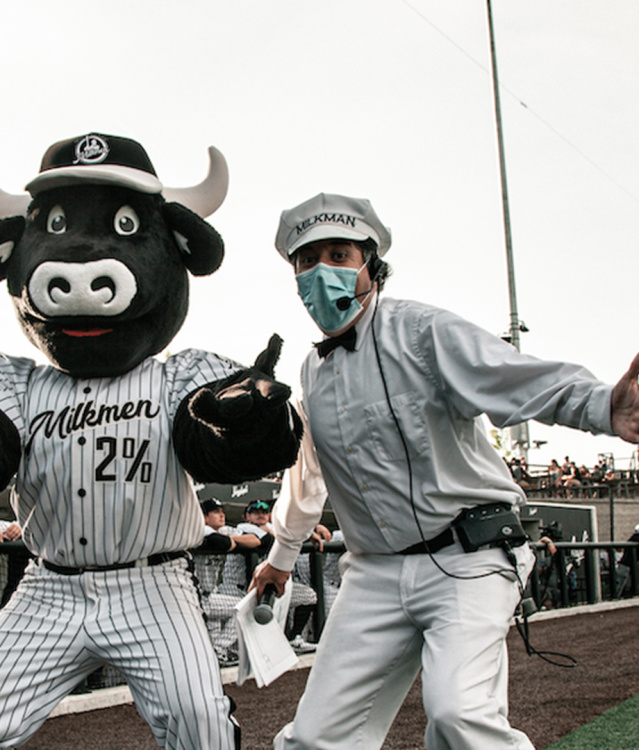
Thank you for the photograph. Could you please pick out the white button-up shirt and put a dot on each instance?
(442, 373)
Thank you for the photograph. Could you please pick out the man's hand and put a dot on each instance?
(265, 573)
(11, 533)
(625, 405)
(319, 536)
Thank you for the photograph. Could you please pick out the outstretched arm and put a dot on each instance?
(625, 405)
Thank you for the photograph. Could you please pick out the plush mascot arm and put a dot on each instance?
(10, 450)
(240, 428)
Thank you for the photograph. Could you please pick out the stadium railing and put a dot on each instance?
(578, 573)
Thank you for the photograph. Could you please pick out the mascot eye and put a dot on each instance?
(126, 221)
(56, 221)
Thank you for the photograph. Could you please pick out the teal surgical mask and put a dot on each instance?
(321, 289)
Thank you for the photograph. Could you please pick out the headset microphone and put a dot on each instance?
(343, 303)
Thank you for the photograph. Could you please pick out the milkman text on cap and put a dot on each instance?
(328, 216)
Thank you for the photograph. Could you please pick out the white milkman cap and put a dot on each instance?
(327, 217)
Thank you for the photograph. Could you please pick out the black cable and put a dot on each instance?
(510, 555)
(501, 571)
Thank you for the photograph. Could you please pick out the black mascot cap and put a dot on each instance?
(110, 159)
(97, 158)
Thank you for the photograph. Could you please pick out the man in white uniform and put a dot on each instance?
(394, 433)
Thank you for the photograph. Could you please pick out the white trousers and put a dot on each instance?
(220, 612)
(146, 622)
(395, 614)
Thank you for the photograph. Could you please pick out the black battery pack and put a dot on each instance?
(490, 525)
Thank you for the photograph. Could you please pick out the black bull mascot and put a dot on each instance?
(106, 441)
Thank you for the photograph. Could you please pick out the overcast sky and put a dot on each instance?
(385, 99)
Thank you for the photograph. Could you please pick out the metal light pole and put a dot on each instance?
(519, 433)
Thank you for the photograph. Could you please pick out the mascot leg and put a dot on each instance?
(42, 651)
(162, 647)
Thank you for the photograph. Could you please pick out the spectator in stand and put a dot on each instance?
(565, 467)
(520, 474)
(215, 525)
(597, 473)
(585, 476)
(572, 479)
(211, 569)
(257, 520)
(554, 476)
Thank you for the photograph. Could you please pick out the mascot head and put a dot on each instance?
(97, 260)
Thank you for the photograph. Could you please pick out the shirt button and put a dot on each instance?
(337, 371)
(341, 409)
(382, 524)
(82, 440)
(83, 540)
(87, 390)
(349, 449)
(82, 493)
(364, 487)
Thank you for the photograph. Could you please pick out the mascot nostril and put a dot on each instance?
(58, 284)
(104, 282)
(105, 442)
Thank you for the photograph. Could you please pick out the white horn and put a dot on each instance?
(13, 205)
(205, 198)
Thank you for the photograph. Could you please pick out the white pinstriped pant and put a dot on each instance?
(146, 622)
(394, 614)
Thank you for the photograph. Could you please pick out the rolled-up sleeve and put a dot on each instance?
(299, 506)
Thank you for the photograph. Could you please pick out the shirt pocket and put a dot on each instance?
(384, 432)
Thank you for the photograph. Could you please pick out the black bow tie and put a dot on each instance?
(347, 339)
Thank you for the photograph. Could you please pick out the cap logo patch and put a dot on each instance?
(91, 150)
(322, 218)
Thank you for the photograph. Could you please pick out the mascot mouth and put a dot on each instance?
(84, 332)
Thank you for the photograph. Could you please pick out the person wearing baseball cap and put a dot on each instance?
(437, 558)
(218, 537)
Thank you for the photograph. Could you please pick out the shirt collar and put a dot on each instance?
(364, 323)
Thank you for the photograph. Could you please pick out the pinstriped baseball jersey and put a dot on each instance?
(99, 482)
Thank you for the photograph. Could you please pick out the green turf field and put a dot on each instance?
(617, 729)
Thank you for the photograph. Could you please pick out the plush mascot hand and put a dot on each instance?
(239, 428)
(235, 403)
